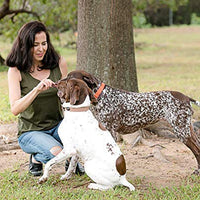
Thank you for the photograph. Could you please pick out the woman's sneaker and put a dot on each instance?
(79, 169)
(35, 169)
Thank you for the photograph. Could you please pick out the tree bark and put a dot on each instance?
(105, 44)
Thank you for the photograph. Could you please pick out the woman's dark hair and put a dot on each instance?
(20, 55)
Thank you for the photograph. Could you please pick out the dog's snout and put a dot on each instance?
(60, 93)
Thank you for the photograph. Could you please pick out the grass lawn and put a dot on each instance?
(167, 59)
(15, 185)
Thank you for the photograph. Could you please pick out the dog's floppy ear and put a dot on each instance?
(88, 79)
(74, 97)
(67, 92)
(67, 95)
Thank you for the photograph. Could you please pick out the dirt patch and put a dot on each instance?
(13, 159)
(160, 162)
(145, 163)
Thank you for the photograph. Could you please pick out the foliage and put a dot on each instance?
(139, 21)
(142, 5)
(156, 12)
(195, 19)
(58, 15)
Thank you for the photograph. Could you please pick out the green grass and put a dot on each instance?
(24, 186)
(15, 185)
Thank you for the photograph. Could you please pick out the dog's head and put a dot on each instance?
(74, 91)
(91, 80)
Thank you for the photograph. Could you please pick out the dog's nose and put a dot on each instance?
(60, 93)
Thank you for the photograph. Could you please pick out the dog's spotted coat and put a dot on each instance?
(125, 112)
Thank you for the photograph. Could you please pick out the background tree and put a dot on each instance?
(105, 42)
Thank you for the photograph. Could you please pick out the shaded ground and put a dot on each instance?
(160, 162)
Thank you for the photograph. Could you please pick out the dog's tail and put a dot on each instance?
(194, 102)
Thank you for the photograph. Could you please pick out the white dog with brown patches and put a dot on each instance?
(82, 137)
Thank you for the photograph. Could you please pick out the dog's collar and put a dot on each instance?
(73, 109)
(99, 91)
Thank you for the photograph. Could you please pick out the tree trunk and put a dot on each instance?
(105, 42)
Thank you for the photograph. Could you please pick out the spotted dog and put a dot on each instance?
(124, 112)
(82, 137)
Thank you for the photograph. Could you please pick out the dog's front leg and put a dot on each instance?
(71, 169)
(57, 159)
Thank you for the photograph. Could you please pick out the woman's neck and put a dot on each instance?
(36, 67)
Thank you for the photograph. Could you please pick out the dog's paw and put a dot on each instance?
(65, 177)
(96, 186)
(42, 180)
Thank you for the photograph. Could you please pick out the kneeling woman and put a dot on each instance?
(34, 66)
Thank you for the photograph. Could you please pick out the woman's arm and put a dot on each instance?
(63, 67)
(17, 103)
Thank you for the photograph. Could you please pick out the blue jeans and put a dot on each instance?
(39, 143)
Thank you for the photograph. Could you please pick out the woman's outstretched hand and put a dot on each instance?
(45, 84)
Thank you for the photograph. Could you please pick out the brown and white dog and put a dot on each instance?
(81, 136)
(124, 112)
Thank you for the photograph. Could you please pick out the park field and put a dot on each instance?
(167, 59)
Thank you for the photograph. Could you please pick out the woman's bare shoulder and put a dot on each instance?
(13, 72)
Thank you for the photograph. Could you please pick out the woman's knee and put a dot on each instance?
(55, 150)
(47, 155)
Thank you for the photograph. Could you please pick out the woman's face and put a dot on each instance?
(40, 47)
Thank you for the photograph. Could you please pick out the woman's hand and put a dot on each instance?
(45, 84)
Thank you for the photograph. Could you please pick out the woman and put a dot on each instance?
(34, 66)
